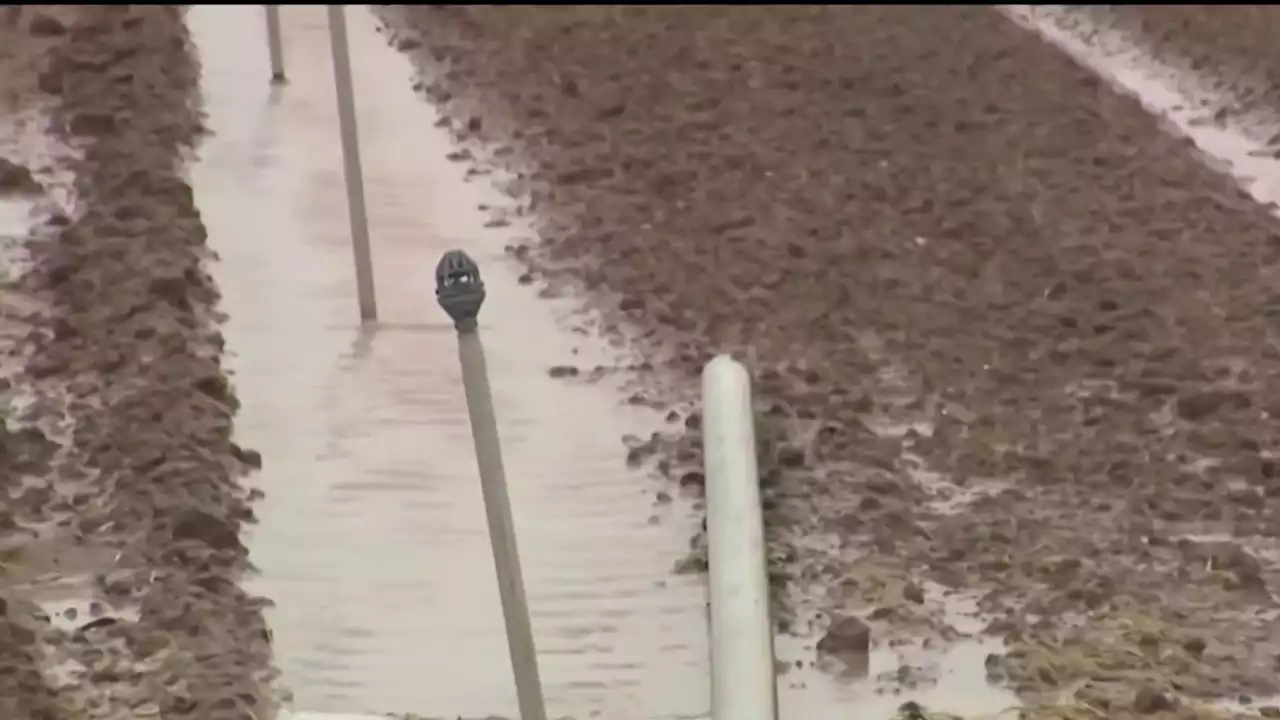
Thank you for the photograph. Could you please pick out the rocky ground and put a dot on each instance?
(1009, 337)
(130, 403)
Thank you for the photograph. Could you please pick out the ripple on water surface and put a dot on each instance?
(372, 539)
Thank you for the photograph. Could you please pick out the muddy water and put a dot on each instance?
(372, 539)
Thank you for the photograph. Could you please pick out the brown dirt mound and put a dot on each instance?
(134, 335)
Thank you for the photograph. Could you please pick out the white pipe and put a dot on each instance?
(351, 168)
(743, 678)
(275, 47)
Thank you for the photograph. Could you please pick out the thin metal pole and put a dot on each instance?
(274, 45)
(497, 508)
(461, 293)
(356, 211)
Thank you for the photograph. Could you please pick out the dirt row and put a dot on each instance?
(23, 691)
(1235, 45)
(1010, 339)
(127, 363)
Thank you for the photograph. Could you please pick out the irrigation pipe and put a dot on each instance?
(743, 679)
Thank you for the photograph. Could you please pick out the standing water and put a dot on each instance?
(372, 540)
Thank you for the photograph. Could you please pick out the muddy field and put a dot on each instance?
(120, 454)
(1235, 43)
(1010, 338)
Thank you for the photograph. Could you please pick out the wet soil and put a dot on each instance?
(24, 690)
(28, 34)
(1235, 44)
(26, 694)
(1009, 337)
(127, 360)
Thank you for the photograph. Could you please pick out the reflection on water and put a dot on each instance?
(372, 539)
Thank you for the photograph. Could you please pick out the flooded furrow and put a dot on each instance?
(372, 540)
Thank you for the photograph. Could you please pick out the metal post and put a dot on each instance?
(743, 677)
(356, 212)
(460, 292)
(274, 45)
